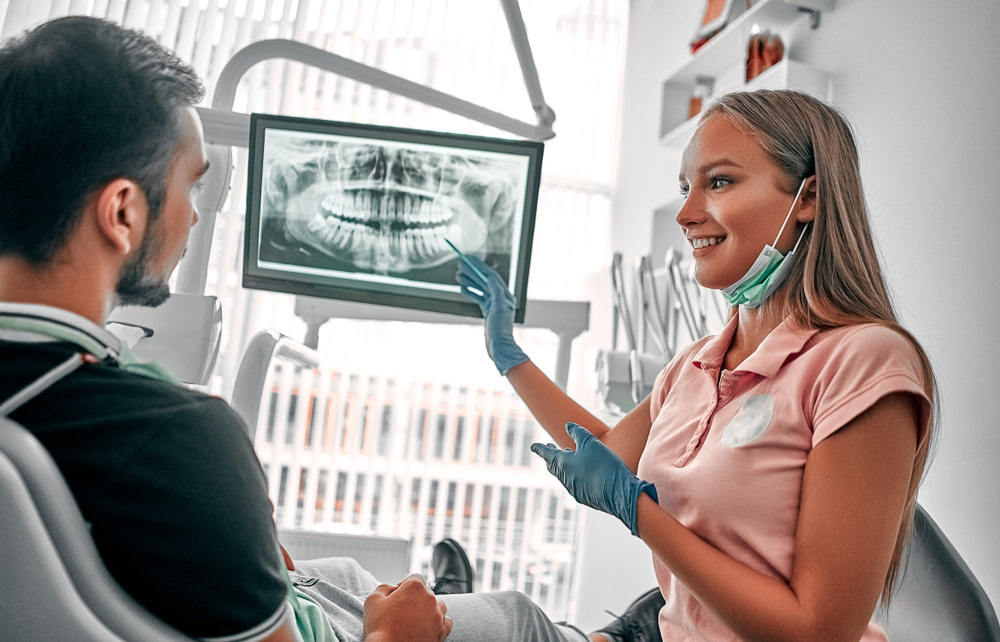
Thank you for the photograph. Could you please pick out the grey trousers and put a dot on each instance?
(340, 586)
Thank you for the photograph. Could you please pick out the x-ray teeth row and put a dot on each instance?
(384, 209)
(374, 247)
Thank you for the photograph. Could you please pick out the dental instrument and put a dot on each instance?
(472, 266)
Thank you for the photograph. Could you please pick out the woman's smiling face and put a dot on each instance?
(736, 198)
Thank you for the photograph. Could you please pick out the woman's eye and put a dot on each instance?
(718, 181)
(685, 190)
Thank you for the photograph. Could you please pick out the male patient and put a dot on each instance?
(100, 160)
(101, 156)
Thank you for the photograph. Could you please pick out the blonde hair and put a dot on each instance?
(838, 278)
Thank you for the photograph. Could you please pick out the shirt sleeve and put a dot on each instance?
(190, 521)
(866, 364)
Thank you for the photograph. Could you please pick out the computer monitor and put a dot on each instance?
(365, 213)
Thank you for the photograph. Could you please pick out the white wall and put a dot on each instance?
(917, 79)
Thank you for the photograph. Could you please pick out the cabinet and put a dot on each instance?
(722, 60)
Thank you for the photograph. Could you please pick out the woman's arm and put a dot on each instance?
(553, 408)
(853, 492)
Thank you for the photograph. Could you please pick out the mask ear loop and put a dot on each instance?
(40, 384)
(801, 234)
(789, 215)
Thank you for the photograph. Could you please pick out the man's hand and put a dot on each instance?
(406, 612)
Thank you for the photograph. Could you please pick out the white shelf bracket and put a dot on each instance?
(813, 8)
(814, 16)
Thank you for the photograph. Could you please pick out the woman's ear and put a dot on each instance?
(806, 210)
(122, 213)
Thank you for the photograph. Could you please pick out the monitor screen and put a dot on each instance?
(366, 213)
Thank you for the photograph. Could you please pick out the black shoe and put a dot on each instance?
(452, 570)
(639, 622)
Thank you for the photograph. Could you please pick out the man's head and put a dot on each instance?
(85, 103)
(143, 279)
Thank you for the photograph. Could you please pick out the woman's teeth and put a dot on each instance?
(706, 241)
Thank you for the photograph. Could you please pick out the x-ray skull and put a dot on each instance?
(387, 209)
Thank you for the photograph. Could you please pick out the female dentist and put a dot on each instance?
(773, 469)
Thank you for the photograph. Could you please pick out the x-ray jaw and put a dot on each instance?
(387, 209)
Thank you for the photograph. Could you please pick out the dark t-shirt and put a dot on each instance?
(168, 481)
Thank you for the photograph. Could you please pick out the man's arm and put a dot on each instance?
(285, 633)
(405, 611)
(289, 564)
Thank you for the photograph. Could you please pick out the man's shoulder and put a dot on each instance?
(107, 398)
(157, 405)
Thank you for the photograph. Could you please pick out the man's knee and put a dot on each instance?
(523, 610)
(517, 600)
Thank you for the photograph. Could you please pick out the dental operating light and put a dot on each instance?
(225, 129)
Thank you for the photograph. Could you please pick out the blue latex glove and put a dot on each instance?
(497, 306)
(595, 476)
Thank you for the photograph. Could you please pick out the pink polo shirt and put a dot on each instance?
(727, 453)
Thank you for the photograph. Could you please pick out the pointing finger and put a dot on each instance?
(578, 433)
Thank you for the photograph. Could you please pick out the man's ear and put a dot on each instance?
(122, 213)
(806, 209)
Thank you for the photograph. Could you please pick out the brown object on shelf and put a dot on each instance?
(702, 92)
(763, 51)
(715, 18)
(694, 106)
(718, 14)
(774, 51)
(698, 44)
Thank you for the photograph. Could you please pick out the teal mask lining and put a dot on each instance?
(768, 271)
(63, 332)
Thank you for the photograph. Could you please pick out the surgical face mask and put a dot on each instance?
(768, 272)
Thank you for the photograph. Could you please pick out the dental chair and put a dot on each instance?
(938, 598)
(387, 558)
(55, 586)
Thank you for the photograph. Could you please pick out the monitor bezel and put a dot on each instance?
(256, 277)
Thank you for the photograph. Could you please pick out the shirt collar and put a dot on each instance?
(33, 322)
(710, 357)
(785, 340)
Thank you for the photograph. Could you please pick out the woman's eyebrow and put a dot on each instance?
(709, 166)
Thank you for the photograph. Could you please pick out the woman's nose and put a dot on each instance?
(689, 213)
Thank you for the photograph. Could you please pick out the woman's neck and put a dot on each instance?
(754, 326)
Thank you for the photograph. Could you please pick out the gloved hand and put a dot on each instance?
(595, 476)
(497, 305)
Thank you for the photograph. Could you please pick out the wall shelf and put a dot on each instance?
(787, 74)
(722, 59)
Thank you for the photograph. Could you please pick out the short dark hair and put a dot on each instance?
(83, 101)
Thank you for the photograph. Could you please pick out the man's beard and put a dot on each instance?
(135, 286)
